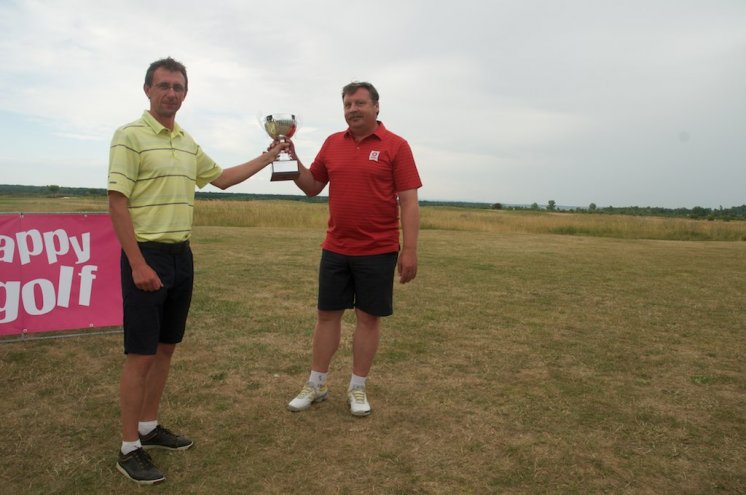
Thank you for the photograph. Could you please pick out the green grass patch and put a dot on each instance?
(519, 361)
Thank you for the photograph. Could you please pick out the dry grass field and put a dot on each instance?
(534, 353)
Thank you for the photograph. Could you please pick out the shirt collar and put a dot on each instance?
(158, 127)
(378, 133)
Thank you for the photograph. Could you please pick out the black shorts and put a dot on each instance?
(363, 282)
(157, 317)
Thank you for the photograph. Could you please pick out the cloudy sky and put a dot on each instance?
(636, 103)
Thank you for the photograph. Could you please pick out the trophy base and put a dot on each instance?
(284, 170)
(284, 176)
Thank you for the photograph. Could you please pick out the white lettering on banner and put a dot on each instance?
(66, 282)
(15, 294)
(7, 247)
(9, 311)
(29, 297)
(54, 243)
(82, 250)
(25, 251)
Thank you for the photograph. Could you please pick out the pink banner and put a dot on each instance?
(58, 272)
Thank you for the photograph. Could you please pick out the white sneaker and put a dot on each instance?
(307, 396)
(358, 401)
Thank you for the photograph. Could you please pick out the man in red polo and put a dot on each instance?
(373, 182)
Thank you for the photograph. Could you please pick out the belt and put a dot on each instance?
(165, 247)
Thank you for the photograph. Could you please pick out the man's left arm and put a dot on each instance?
(409, 210)
(234, 175)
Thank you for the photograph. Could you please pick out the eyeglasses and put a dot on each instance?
(178, 88)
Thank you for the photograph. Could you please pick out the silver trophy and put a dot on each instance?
(282, 126)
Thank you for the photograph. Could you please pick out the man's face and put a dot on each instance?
(360, 111)
(166, 93)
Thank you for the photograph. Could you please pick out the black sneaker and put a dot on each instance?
(162, 438)
(138, 467)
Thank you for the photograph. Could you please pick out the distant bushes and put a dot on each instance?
(697, 213)
(51, 190)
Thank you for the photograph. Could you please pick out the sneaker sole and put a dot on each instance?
(164, 447)
(139, 482)
(315, 401)
(360, 414)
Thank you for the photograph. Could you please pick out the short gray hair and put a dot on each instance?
(355, 85)
(168, 64)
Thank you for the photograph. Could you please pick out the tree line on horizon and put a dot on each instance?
(698, 212)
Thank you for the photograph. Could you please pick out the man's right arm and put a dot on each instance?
(143, 275)
(306, 182)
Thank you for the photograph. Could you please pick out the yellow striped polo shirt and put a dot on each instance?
(158, 169)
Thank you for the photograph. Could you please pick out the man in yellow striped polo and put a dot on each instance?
(154, 167)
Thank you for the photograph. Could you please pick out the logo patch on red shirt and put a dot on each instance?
(374, 156)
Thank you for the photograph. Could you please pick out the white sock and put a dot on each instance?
(145, 427)
(317, 378)
(128, 447)
(358, 381)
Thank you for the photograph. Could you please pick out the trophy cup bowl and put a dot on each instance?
(282, 126)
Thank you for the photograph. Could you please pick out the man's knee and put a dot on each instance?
(165, 350)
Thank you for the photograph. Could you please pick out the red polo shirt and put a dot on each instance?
(364, 179)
